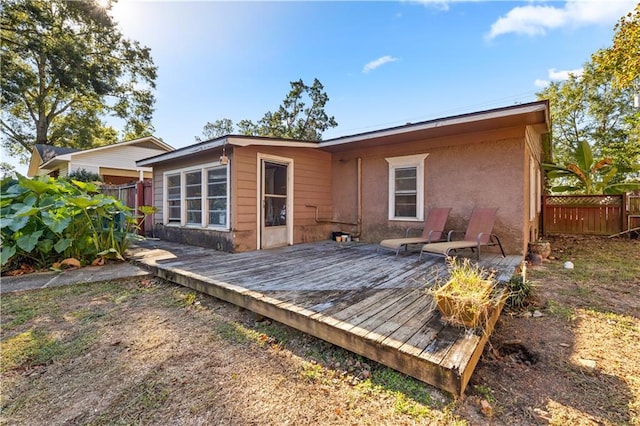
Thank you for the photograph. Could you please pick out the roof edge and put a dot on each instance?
(441, 122)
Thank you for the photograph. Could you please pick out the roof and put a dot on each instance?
(533, 113)
(524, 114)
(237, 140)
(47, 152)
(50, 155)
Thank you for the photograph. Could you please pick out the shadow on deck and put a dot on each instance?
(368, 302)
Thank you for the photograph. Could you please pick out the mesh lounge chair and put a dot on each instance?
(433, 229)
(478, 235)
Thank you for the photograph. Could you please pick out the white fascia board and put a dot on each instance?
(280, 142)
(63, 157)
(183, 152)
(525, 109)
(153, 139)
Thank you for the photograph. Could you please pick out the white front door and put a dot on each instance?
(275, 226)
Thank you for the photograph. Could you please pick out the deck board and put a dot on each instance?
(367, 301)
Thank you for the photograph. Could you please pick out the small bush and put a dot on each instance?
(83, 175)
(43, 221)
(519, 290)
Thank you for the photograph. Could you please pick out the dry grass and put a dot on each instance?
(149, 352)
(161, 354)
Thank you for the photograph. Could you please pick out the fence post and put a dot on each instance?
(623, 212)
(139, 202)
(543, 214)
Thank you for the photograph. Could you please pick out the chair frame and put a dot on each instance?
(482, 239)
(421, 240)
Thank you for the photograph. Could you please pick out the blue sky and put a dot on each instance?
(381, 63)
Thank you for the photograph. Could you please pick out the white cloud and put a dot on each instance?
(535, 20)
(378, 63)
(438, 4)
(564, 74)
(443, 4)
(557, 75)
(541, 83)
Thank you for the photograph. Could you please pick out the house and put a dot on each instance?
(242, 193)
(116, 163)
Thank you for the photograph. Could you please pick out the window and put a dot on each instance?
(193, 197)
(217, 196)
(197, 196)
(173, 198)
(406, 187)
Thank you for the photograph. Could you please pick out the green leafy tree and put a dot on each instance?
(585, 175)
(302, 115)
(216, 129)
(623, 58)
(6, 170)
(590, 108)
(65, 68)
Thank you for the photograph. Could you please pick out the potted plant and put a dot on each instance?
(467, 297)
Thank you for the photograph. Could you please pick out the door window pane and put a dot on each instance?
(275, 179)
(275, 211)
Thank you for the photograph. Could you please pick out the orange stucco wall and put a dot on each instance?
(484, 169)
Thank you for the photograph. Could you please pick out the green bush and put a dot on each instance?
(519, 291)
(83, 175)
(43, 221)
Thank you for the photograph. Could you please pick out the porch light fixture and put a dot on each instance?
(224, 160)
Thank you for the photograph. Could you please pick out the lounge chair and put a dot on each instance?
(478, 234)
(433, 229)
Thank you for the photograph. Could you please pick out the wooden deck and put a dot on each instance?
(349, 294)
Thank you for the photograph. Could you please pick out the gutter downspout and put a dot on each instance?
(359, 228)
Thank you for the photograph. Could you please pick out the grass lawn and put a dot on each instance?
(150, 352)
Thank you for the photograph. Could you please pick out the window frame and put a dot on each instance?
(203, 169)
(406, 162)
(168, 219)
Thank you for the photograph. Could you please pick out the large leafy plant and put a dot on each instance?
(44, 221)
(587, 176)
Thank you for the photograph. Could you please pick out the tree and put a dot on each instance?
(6, 170)
(623, 58)
(586, 175)
(66, 67)
(216, 129)
(590, 108)
(293, 120)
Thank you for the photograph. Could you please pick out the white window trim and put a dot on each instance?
(533, 190)
(405, 161)
(205, 205)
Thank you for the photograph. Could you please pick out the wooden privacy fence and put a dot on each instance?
(133, 195)
(584, 214)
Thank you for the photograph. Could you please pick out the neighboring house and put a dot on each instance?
(116, 163)
(241, 193)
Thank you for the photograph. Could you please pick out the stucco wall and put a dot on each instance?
(462, 172)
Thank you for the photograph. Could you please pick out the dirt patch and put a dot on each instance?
(149, 352)
(573, 357)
